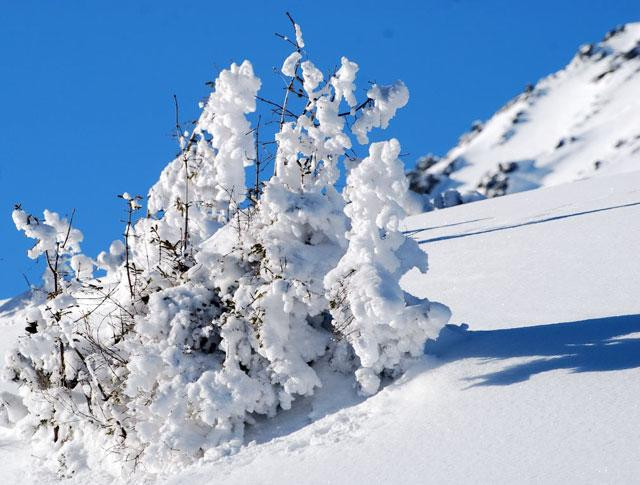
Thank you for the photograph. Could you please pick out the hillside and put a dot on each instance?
(579, 122)
(543, 385)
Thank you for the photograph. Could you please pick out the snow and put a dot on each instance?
(384, 325)
(542, 387)
(14, 453)
(299, 39)
(50, 232)
(312, 77)
(221, 145)
(589, 234)
(578, 122)
(290, 64)
(386, 101)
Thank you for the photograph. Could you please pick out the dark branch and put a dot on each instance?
(362, 105)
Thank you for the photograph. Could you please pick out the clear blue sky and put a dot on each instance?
(86, 87)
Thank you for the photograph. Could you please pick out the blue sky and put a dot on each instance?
(86, 87)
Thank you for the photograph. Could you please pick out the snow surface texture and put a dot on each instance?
(581, 121)
(543, 386)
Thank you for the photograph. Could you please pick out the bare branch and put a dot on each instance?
(362, 105)
(276, 105)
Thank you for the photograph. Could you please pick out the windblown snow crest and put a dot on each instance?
(579, 122)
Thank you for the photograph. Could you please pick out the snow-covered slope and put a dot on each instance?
(543, 386)
(580, 121)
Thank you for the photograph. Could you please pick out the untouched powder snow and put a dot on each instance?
(581, 121)
(543, 385)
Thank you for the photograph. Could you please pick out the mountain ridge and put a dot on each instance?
(579, 122)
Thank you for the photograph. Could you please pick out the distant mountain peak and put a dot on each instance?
(579, 122)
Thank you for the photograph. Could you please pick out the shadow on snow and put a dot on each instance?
(593, 345)
(522, 224)
(412, 232)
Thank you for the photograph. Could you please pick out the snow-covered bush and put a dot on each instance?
(384, 325)
(59, 243)
(215, 309)
(69, 362)
(205, 184)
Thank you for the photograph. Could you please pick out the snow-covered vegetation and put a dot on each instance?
(221, 302)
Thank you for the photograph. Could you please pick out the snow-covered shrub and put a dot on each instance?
(205, 184)
(384, 325)
(69, 363)
(59, 243)
(214, 310)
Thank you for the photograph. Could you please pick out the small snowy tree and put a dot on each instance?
(68, 364)
(204, 186)
(59, 243)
